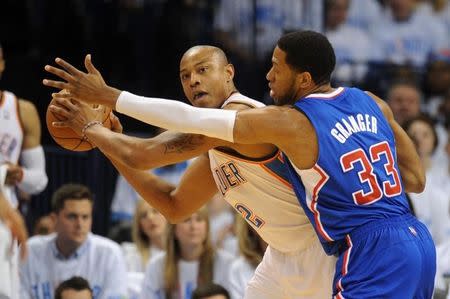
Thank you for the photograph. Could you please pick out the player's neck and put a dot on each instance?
(322, 88)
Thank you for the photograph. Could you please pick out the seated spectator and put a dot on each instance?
(442, 287)
(74, 288)
(222, 225)
(44, 225)
(352, 45)
(432, 205)
(189, 261)
(148, 230)
(404, 98)
(407, 37)
(210, 291)
(73, 251)
(252, 249)
(437, 82)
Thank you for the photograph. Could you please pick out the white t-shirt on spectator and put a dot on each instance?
(443, 267)
(153, 285)
(241, 271)
(98, 260)
(134, 260)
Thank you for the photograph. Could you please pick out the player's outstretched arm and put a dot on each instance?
(195, 189)
(411, 169)
(140, 153)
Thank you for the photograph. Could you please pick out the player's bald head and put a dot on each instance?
(208, 52)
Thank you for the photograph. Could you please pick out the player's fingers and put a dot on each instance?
(60, 124)
(60, 73)
(61, 95)
(56, 84)
(90, 66)
(60, 111)
(70, 68)
(64, 103)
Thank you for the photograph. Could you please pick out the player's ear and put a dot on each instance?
(305, 79)
(229, 69)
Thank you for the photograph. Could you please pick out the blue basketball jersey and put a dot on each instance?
(356, 178)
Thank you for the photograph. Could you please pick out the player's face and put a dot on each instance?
(74, 221)
(205, 78)
(74, 294)
(423, 137)
(192, 232)
(282, 79)
(151, 221)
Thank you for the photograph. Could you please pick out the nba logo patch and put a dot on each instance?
(412, 230)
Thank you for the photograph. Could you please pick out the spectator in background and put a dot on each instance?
(148, 230)
(222, 224)
(352, 45)
(74, 288)
(44, 225)
(442, 286)
(73, 250)
(364, 14)
(251, 248)
(404, 98)
(437, 83)
(406, 37)
(189, 261)
(210, 291)
(437, 8)
(433, 204)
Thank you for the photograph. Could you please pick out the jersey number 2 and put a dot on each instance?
(366, 175)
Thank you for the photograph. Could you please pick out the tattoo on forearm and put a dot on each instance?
(184, 143)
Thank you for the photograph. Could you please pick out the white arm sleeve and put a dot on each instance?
(34, 178)
(178, 116)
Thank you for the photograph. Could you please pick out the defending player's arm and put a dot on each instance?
(30, 176)
(411, 169)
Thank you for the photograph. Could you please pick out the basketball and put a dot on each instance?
(68, 138)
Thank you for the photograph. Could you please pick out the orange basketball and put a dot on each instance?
(68, 138)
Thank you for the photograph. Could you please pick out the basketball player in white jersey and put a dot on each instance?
(22, 165)
(251, 179)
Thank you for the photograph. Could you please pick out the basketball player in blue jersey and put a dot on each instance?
(345, 155)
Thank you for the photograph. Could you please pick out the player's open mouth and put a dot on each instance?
(199, 95)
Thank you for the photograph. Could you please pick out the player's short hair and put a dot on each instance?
(209, 289)
(76, 283)
(309, 51)
(69, 192)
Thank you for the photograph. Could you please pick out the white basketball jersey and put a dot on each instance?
(11, 131)
(11, 137)
(260, 191)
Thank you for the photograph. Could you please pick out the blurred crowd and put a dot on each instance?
(398, 49)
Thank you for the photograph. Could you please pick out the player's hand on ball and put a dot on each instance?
(76, 115)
